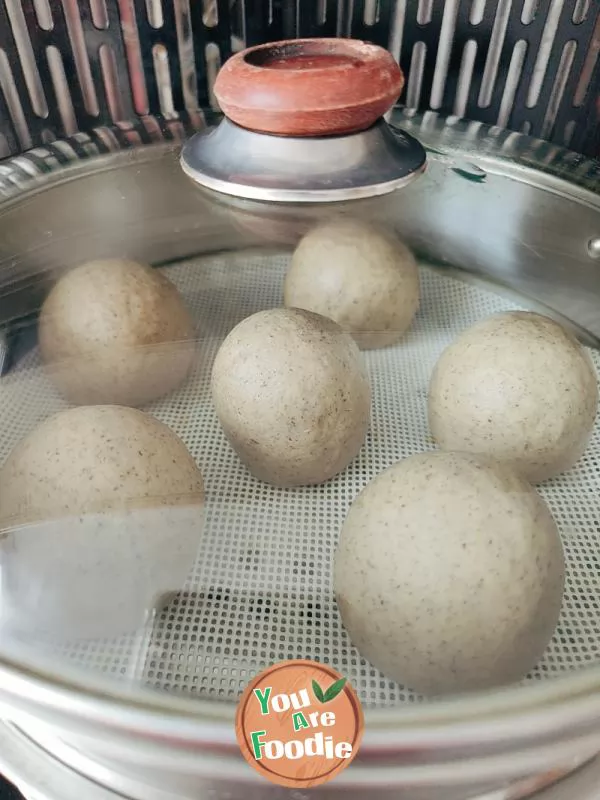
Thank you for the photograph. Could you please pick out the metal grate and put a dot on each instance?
(261, 589)
(68, 66)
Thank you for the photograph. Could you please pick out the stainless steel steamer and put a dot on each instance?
(498, 220)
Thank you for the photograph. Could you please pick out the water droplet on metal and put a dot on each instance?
(471, 172)
(593, 247)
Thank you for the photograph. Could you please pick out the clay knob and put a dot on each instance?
(309, 87)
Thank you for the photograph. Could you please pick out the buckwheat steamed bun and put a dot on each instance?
(292, 395)
(358, 274)
(449, 573)
(115, 331)
(518, 387)
(101, 513)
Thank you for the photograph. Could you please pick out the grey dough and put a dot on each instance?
(115, 331)
(358, 274)
(96, 459)
(518, 387)
(449, 574)
(292, 395)
(101, 511)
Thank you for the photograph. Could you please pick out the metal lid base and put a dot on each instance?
(258, 166)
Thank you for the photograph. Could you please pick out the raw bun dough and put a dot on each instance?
(449, 573)
(518, 387)
(359, 275)
(101, 511)
(292, 394)
(115, 331)
(97, 458)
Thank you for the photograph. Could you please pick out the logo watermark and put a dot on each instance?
(299, 723)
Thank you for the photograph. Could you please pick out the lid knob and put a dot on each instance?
(309, 87)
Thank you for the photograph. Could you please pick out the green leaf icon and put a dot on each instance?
(318, 692)
(334, 690)
(331, 693)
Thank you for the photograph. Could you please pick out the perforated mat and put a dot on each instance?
(261, 590)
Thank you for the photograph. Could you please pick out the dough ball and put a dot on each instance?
(101, 511)
(449, 573)
(293, 397)
(518, 387)
(115, 331)
(97, 458)
(359, 275)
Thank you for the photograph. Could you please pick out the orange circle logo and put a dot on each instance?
(299, 723)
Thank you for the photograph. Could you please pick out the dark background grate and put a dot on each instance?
(7, 791)
(71, 65)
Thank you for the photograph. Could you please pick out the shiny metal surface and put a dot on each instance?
(239, 162)
(594, 247)
(511, 211)
(46, 773)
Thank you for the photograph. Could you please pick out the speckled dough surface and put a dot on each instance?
(109, 505)
(293, 396)
(261, 588)
(449, 573)
(94, 459)
(517, 387)
(114, 331)
(358, 274)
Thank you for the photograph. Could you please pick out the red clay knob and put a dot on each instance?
(309, 87)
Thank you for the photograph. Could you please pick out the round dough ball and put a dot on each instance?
(97, 458)
(114, 331)
(449, 573)
(293, 397)
(518, 387)
(359, 275)
(101, 512)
